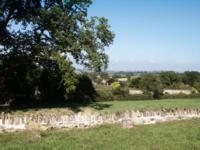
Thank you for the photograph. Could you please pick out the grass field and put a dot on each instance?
(116, 106)
(146, 105)
(180, 135)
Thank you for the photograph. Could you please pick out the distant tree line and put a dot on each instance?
(151, 83)
(156, 82)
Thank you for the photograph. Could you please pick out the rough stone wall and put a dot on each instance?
(85, 120)
(135, 92)
(176, 92)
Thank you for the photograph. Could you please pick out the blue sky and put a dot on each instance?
(152, 34)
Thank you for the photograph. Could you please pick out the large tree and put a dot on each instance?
(40, 36)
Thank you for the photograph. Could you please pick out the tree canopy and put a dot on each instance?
(40, 39)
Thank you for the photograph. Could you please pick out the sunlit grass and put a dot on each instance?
(116, 106)
(179, 135)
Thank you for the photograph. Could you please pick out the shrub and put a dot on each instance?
(103, 95)
(115, 85)
(197, 86)
(85, 91)
(181, 96)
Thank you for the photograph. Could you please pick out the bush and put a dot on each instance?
(197, 86)
(109, 96)
(115, 86)
(181, 96)
(103, 95)
(121, 92)
(85, 91)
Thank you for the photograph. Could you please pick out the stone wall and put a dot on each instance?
(135, 92)
(177, 92)
(85, 120)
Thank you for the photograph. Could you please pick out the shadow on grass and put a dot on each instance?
(4, 108)
(100, 106)
(75, 107)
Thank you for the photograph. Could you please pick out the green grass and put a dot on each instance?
(179, 135)
(115, 106)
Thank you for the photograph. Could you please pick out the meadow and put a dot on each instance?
(177, 135)
(113, 106)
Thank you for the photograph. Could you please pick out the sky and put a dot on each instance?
(152, 35)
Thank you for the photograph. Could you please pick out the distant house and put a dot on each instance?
(122, 79)
(177, 91)
(135, 92)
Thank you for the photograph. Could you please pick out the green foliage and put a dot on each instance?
(85, 91)
(51, 85)
(105, 95)
(116, 88)
(111, 80)
(151, 83)
(197, 85)
(115, 85)
(169, 79)
(156, 82)
(68, 75)
(191, 77)
(135, 82)
(179, 96)
(19, 77)
(51, 34)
